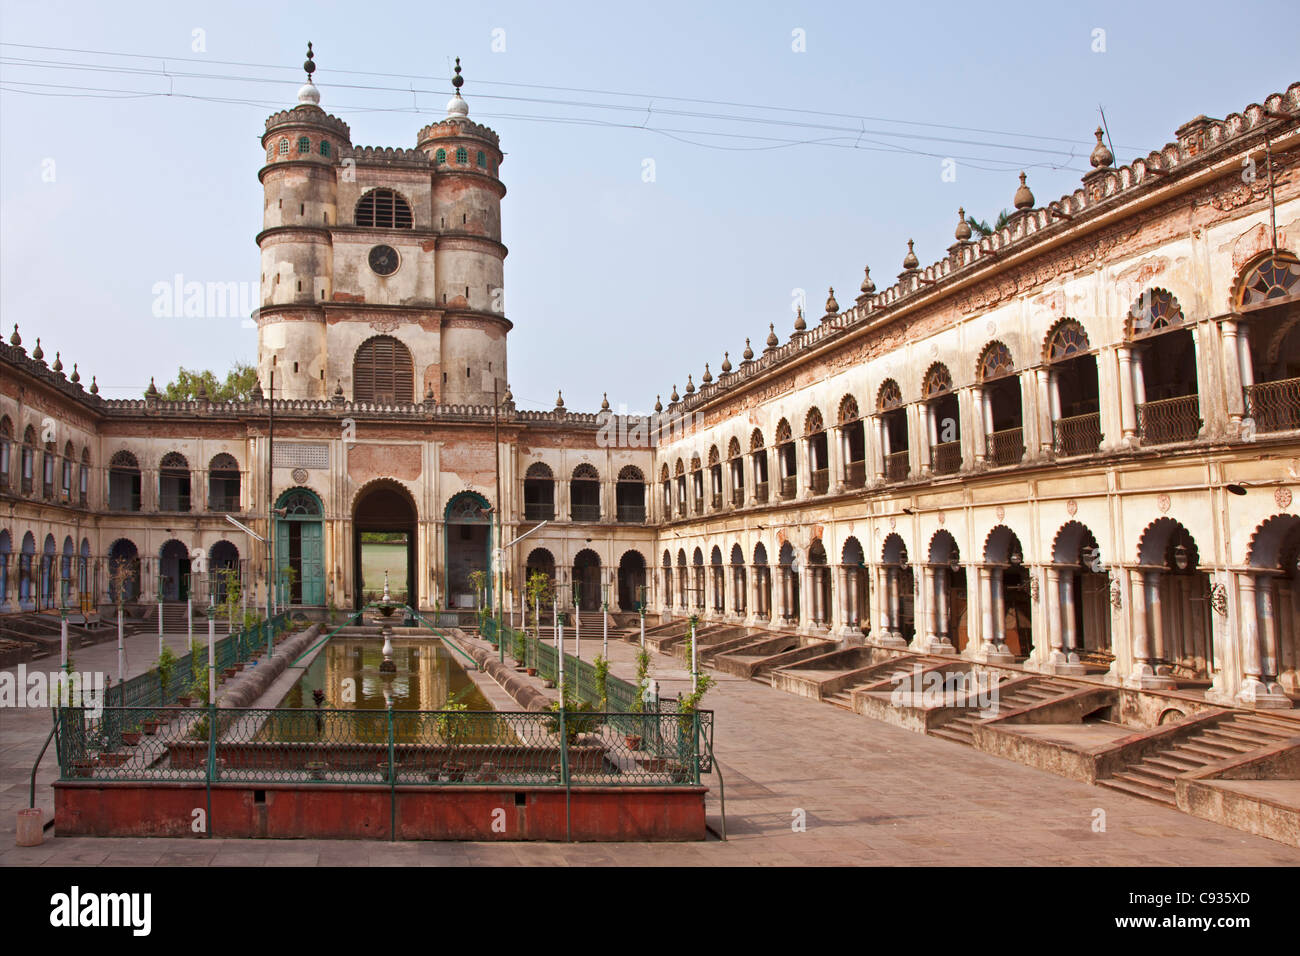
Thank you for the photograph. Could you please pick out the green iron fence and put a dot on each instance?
(489, 748)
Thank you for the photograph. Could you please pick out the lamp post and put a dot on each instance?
(63, 635)
(641, 602)
(160, 614)
(212, 656)
(695, 674)
(577, 619)
(604, 614)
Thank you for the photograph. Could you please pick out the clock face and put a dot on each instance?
(383, 259)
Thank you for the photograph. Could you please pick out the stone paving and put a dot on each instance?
(869, 793)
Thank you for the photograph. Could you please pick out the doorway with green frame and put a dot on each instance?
(299, 549)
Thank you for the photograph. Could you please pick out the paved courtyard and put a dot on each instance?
(866, 793)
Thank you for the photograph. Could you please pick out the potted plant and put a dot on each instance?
(451, 724)
(601, 667)
(166, 669)
(150, 725)
(131, 737)
(633, 741)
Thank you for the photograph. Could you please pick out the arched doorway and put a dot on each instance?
(631, 579)
(1004, 594)
(468, 540)
(223, 556)
(586, 580)
(1084, 589)
(899, 592)
(299, 549)
(384, 523)
(1177, 603)
(123, 571)
(789, 584)
(762, 583)
(174, 571)
(945, 594)
(1270, 612)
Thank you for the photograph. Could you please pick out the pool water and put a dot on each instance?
(347, 670)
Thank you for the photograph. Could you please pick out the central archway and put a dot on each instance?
(468, 540)
(384, 521)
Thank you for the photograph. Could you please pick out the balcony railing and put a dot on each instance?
(631, 514)
(681, 509)
(1077, 435)
(897, 466)
(583, 511)
(697, 506)
(789, 485)
(715, 501)
(173, 502)
(945, 457)
(855, 474)
(1006, 447)
(27, 484)
(737, 497)
(1274, 406)
(1169, 420)
(533, 511)
(123, 502)
(231, 503)
(760, 491)
(821, 479)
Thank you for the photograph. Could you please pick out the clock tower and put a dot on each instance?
(382, 269)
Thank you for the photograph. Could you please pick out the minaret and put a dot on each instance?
(470, 288)
(299, 184)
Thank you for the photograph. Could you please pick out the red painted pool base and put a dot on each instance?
(335, 812)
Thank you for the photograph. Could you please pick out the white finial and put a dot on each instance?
(308, 94)
(456, 106)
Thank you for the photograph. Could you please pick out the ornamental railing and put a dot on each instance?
(1169, 420)
(1274, 406)
(897, 466)
(1006, 447)
(585, 512)
(737, 497)
(1076, 434)
(760, 491)
(789, 485)
(821, 480)
(945, 457)
(631, 514)
(855, 474)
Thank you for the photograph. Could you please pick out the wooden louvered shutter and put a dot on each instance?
(383, 372)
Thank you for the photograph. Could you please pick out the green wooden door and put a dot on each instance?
(312, 572)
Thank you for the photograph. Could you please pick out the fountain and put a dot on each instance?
(386, 607)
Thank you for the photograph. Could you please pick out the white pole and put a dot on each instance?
(212, 653)
(559, 649)
(189, 617)
(604, 614)
(643, 628)
(694, 668)
(160, 627)
(121, 648)
(537, 618)
(63, 643)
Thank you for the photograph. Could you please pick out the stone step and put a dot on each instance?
(1215, 738)
(1179, 763)
(948, 734)
(1137, 789)
(1213, 753)
(1248, 735)
(1148, 770)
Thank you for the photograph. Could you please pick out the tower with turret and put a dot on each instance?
(382, 268)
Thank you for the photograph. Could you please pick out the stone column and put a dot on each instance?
(995, 617)
(1127, 411)
(1046, 436)
(1139, 388)
(1071, 640)
(1232, 380)
(895, 582)
(1052, 602)
(979, 436)
(882, 438)
(1259, 651)
(836, 456)
(942, 594)
(1159, 652)
(801, 583)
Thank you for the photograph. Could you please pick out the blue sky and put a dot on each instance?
(614, 283)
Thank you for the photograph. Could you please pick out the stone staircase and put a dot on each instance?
(1024, 693)
(881, 677)
(1154, 776)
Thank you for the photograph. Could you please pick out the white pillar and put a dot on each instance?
(1127, 411)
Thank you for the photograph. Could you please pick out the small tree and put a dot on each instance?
(122, 573)
(539, 590)
(232, 589)
(166, 668)
(642, 680)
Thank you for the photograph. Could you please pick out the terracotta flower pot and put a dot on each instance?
(532, 671)
(150, 727)
(185, 700)
(130, 737)
(633, 741)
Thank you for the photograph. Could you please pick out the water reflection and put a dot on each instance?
(427, 676)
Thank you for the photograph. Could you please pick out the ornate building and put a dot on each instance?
(1072, 444)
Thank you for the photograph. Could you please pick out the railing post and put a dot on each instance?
(564, 770)
(392, 778)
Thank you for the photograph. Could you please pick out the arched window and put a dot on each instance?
(324, 147)
(284, 147)
(383, 372)
(6, 446)
(462, 155)
(123, 482)
(539, 493)
(1275, 279)
(938, 381)
(28, 476)
(65, 482)
(785, 459)
(481, 160)
(173, 483)
(1000, 410)
(853, 441)
(630, 495)
(47, 470)
(995, 362)
(942, 420)
(223, 483)
(1074, 396)
(584, 493)
(83, 479)
(300, 502)
(384, 209)
(890, 396)
(1155, 312)
(304, 144)
(440, 156)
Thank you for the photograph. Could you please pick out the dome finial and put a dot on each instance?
(674, 397)
(726, 363)
(772, 340)
(58, 363)
(559, 399)
(1024, 199)
(707, 377)
(748, 354)
(910, 262)
(690, 386)
(456, 106)
(799, 323)
(1101, 156)
(37, 353)
(963, 227)
(15, 340)
(94, 386)
(75, 377)
(308, 95)
(604, 401)
(659, 405)
(868, 286)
